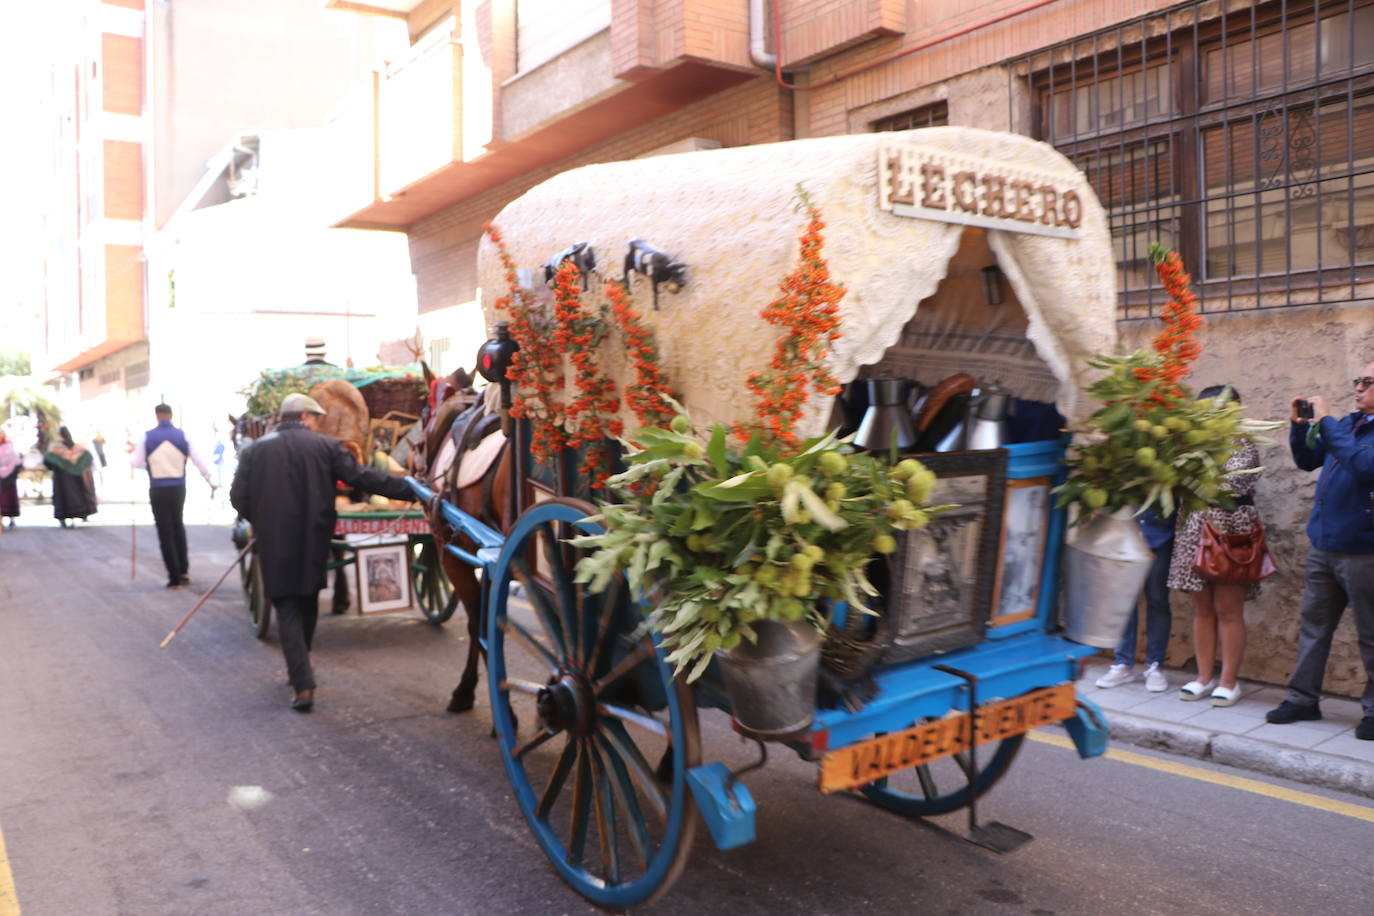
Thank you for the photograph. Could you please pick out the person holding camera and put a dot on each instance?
(1340, 565)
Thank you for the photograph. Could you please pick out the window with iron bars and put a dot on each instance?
(1245, 139)
(935, 114)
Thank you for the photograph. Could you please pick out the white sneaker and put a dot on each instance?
(1116, 676)
(1155, 681)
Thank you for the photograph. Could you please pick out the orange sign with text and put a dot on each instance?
(862, 763)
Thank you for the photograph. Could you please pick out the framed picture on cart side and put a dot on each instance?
(383, 578)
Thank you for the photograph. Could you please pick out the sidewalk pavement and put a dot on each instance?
(200, 509)
(1323, 753)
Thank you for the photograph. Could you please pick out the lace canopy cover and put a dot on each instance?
(731, 216)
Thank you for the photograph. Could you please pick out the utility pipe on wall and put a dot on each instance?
(757, 54)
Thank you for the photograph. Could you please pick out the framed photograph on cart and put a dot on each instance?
(383, 578)
(942, 576)
(1022, 550)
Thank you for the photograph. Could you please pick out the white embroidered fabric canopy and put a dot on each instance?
(895, 205)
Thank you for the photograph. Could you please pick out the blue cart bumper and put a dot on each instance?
(915, 691)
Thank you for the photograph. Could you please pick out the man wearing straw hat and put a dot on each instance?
(284, 486)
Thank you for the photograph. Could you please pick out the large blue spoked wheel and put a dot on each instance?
(602, 778)
(942, 786)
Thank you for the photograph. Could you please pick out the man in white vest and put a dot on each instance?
(164, 451)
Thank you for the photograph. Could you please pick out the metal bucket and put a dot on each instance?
(772, 683)
(1105, 567)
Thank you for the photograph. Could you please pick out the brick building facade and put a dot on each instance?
(1240, 133)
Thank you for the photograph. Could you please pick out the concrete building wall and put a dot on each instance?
(565, 84)
(828, 106)
(1273, 356)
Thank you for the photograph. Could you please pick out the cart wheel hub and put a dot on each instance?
(566, 704)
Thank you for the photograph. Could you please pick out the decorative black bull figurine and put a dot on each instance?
(582, 256)
(657, 266)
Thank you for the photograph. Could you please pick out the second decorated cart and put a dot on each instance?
(375, 421)
(406, 534)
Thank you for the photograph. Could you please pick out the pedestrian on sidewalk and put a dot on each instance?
(1340, 564)
(10, 466)
(1159, 534)
(1218, 609)
(164, 451)
(284, 487)
(73, 486)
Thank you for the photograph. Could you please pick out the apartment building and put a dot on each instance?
(94, 323)
(1240, 133)
(146, 95)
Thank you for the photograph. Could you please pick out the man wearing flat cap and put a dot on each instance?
(284, 486)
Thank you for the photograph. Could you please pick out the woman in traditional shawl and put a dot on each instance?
(10, 466)
(73, 487)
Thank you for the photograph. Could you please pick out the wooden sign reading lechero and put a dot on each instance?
(921, 183)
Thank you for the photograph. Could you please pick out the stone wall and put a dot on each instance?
(1273, 356)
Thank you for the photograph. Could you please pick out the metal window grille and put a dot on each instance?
(1243, 137)
(136, 375)
(935, 114)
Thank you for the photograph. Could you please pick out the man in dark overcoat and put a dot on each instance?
(284, 487)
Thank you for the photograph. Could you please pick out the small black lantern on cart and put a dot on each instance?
(493, 362)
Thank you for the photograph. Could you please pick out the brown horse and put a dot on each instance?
(460, 417)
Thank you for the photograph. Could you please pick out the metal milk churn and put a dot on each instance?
(1106, 563)
(772, 683)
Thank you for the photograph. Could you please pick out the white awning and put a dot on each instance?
(895, 205)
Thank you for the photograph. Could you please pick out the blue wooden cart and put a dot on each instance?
(600, 742)
(602, 745)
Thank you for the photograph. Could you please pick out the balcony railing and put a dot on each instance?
(404, 124)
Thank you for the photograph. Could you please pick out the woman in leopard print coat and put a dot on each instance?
(1218, 610)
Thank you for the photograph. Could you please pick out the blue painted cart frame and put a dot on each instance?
(604, 684)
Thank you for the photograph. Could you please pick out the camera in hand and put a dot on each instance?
(1304, 410)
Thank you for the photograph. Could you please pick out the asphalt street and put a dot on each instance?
(141, 781)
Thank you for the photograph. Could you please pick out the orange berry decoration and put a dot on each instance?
(808, 311)
(1177, 342)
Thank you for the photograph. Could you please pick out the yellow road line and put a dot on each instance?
(9, 900)
(1319, 802)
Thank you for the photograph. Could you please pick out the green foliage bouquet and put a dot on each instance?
(1152, 442)
(717, 539)
(1141, 453)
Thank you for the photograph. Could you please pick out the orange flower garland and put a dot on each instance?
(1175, 343)
(808, 310)
(589, 417)
(536, 369)
(648, 396)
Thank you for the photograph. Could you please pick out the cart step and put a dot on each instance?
(998, 837)
(725, 804)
